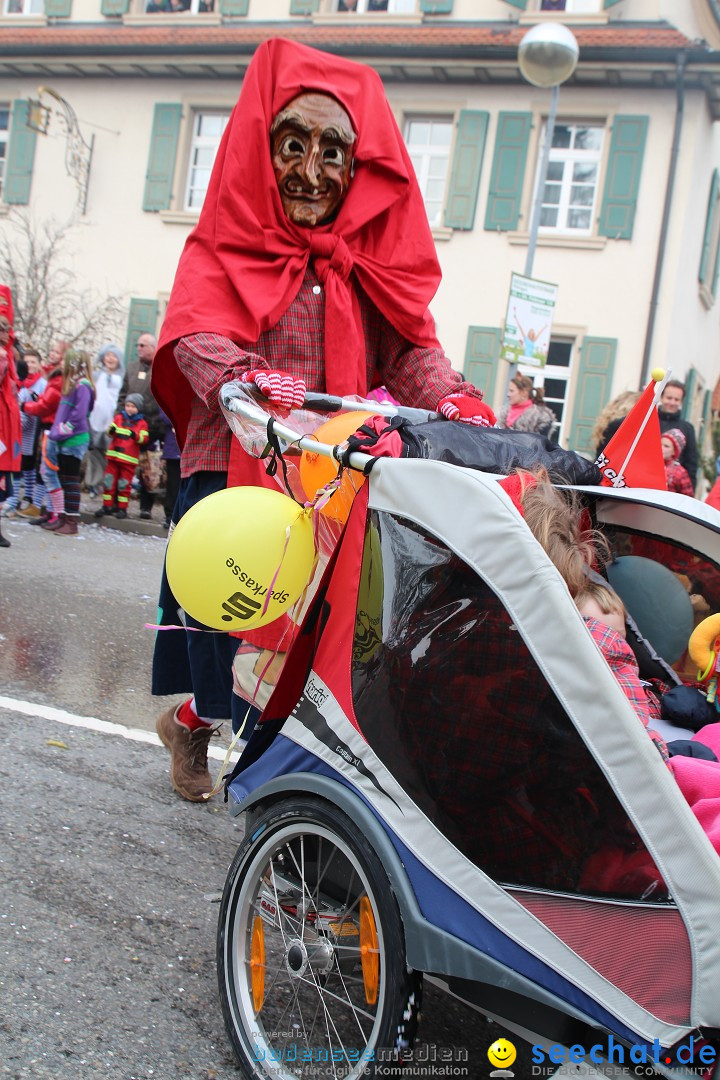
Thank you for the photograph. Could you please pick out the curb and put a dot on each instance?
(127, 525)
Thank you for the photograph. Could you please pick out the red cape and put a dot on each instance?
(244, 262)
(10, 422)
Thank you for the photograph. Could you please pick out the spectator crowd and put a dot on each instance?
(81, 424)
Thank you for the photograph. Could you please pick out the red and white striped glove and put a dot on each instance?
(278, 388)
(466, 409)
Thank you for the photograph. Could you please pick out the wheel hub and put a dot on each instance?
(301, 955)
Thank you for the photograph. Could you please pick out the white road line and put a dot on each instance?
(91, 723)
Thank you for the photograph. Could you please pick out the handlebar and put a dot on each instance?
(242, 398)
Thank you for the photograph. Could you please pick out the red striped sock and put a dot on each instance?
(187, 716)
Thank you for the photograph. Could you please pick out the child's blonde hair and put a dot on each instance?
(606, 598)
(76, 366)
(554, 516)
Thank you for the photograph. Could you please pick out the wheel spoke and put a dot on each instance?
(336, 997)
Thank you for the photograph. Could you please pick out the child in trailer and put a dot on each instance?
(554, 519)
(128, 433)
(604, 614)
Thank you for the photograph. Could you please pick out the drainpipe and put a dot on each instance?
(672, 167)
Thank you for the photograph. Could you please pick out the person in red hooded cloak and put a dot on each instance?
(311, 267)
(10, 422)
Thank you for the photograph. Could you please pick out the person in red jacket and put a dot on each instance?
(128, 432)
(10, 437)
(43, 406)
(677, 477)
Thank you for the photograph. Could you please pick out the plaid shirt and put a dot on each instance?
(624, 666)
(678, 478)
(415, 376)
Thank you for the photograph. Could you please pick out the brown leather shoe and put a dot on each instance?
(189, 773)
(69, 527)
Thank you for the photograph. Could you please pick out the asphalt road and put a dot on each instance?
(108, 935)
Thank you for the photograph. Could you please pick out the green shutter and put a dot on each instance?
(161, 160)
(114, 7)
(58, 9)
(481, 358)
(518, 3)
(592, 389)
(141, 320)
(234, 7)
(623, 176)
(508, 170)
(607, 3)
(303, 7)
(436, 7)
(704, 435)
(689, 396)
(467, 165)
(708, 234)
(20, 157)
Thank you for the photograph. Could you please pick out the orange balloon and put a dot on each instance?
(316, 471)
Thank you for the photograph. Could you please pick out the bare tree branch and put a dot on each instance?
(49, 305)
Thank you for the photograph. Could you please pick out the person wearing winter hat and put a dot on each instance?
(678, 479)
(128, 433)
(109, 370)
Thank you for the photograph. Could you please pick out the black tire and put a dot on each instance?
(304, 892)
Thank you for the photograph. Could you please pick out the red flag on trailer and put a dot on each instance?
(633, 457)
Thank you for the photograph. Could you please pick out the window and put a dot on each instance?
(172, 7)
(570, 192)
(4, 128)
(208, 128)
(392, 7)
(576, 7)
(24, 7)
(554, 378)
(710, 256)
(428, 142)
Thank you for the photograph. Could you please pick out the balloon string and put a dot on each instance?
(271, 586)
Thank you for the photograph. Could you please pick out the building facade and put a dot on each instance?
(630, 223)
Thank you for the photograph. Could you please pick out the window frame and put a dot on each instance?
(423, 177)
(362, 8)
(190, 144)
(710, 259)
(27, 8)
(569, 156)
(561, 373)
(573, 7)
(4, 142)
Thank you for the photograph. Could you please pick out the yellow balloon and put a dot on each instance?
(228, 553)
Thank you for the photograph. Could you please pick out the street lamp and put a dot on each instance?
(547, 56)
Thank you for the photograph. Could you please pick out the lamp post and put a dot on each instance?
(547, 57)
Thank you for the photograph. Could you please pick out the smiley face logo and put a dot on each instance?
(501, 1054)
